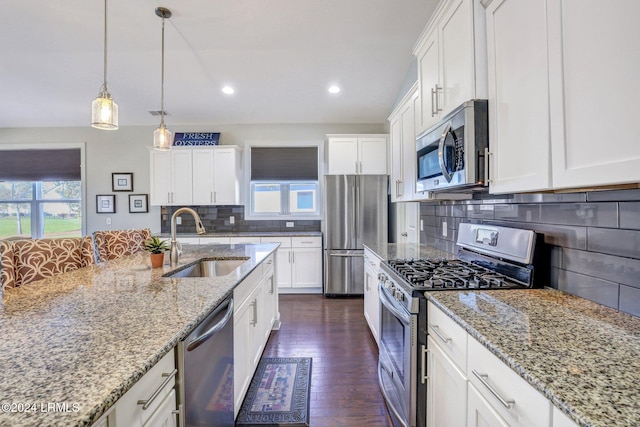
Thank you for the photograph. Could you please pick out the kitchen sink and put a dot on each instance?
(209, 267)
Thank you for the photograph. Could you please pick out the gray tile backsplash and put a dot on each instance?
(593, 237)
(216, 219)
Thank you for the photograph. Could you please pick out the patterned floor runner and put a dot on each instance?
(278, 394)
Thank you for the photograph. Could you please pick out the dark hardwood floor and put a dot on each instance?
(334, 332)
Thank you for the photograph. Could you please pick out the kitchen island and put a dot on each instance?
(80, 340)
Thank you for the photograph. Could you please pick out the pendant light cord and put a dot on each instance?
(162, 78)
(104, 86)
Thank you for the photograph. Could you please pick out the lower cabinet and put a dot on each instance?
(299, 263)
(496, 396)
(152, 400)
(560, 419)
(255, 314)
(371, 296)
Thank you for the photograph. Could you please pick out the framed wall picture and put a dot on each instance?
(106, 203)
(138, 203)
(122, 181)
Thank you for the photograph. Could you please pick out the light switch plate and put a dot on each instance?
(289, 224)
(108, 220)
(444, 228)
(178, 220)
(421, 225)
(232, 220)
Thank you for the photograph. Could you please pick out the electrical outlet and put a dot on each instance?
(108, 220)
(178, 220)
(289, 224)
(444, 228)
(421, 225)
(232, 220)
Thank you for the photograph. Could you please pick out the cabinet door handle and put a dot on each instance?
(436, 330)
(254, 319)
(271, 291)
(293, 257)
(433, 102)
(215, 197)
(168, 377)
(211, 197)
(356, 166)
(487, 176)
(423, 365)
(438, 109)
(289, 257)
(484, 379)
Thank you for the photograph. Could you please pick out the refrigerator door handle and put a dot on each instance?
(347, 255)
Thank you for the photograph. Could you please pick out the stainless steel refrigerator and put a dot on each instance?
(356, 212)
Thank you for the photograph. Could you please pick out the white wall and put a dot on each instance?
(126, 150)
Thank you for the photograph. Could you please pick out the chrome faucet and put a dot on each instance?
(175, 248)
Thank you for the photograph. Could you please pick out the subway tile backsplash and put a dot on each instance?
(216, 219)
(593, 237)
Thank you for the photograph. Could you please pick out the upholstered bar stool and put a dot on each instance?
(114, 244)
(24, 261)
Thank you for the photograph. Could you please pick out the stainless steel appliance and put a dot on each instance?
(488, 257)
(452, 155)
(356, 211)
(205, 359)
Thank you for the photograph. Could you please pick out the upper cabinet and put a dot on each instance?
(451, 55)
(558, 90)
(196, 176)
(356, 155)
(402, 148)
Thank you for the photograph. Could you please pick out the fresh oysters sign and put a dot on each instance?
(187, 139)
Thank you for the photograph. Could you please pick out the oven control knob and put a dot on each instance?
(388, 284)
(398, 295)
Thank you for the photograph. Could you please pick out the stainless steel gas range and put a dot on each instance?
(488, 257)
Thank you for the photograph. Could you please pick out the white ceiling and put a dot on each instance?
(280, 55)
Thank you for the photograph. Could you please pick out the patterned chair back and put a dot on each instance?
(24, 261)
(114, 244)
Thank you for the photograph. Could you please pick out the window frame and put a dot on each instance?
(83, 180)
(284, 199)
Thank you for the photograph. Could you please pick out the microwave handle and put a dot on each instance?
(443, 167)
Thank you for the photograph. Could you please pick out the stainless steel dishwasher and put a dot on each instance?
(205, 358)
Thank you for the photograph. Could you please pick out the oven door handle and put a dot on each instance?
(384, 299)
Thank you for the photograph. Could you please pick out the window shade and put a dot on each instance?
(40, 165)
(284, 163)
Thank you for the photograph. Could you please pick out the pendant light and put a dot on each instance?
(104, 112)
(162, 135)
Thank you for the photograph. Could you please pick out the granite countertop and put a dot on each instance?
(406, 251)
(583, 356)
(247, 234)
(85, 337)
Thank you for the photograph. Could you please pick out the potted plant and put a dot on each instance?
(156, 247)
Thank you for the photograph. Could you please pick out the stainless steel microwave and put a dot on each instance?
(452, 155)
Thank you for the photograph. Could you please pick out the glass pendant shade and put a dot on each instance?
(104, 112)
(162, 138)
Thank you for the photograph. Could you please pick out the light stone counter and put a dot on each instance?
(583, 356)
(83, 338)
(406, 251)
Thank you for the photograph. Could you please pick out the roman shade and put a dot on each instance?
(284, 163)
(40, 165)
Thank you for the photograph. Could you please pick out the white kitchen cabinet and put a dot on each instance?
(298, 263)
(560, 419)
(214, 240)
(559, 117)
(356, 155)
(511, 397)
(447, 389)
(371, 295)
(593, 87)
(196, 176)
(161, 377)
(451, 55)
(170, 177)
(402, 148)
(254, 315)
(165, 415)
(518, 96)
(480, 413)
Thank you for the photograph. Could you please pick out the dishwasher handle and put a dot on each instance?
(201, 338)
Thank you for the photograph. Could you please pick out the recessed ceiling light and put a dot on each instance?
(334, 89)
(228, 90)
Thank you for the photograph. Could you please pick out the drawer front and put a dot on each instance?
(188, 240)
(448, 335)
(214, 240)
(515, 400)
(371, 260)
(285, 242)
(267, 265)
(306, 242)
(244, 289)
(244, 240)
(127, 409)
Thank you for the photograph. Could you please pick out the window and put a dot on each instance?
(40, 209)
(41, 191)
(284, 182)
